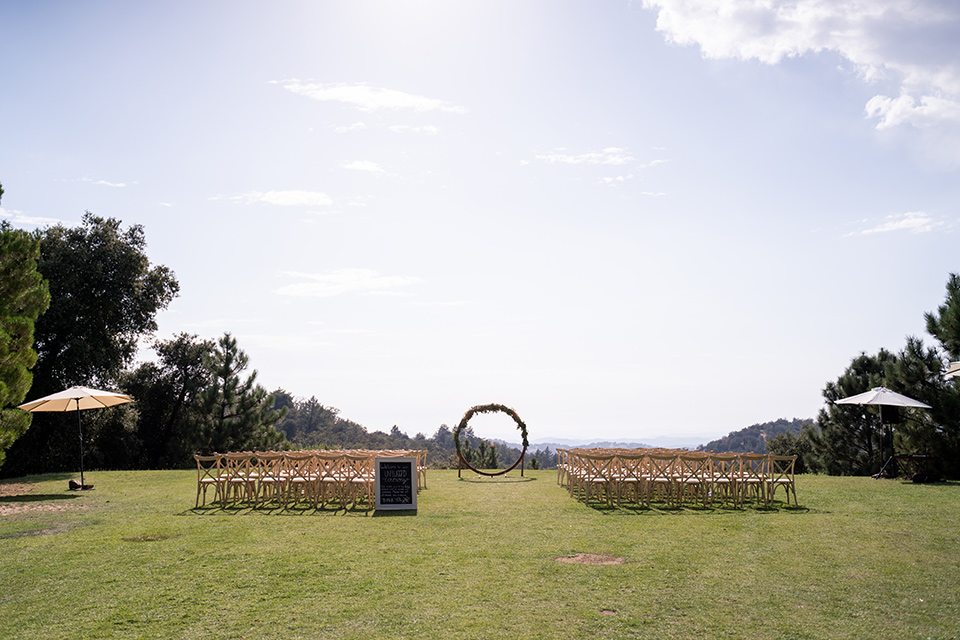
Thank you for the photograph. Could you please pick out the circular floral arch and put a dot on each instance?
(491, 408)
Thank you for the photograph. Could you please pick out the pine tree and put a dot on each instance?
(236, 415)
(945, 324)
(24, 295)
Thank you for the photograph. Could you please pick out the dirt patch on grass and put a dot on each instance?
(10, 505)
(22, 507)
(591, 558)
(14, 489)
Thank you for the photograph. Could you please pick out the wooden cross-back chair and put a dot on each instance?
(691, 475)
(238, 478)
(299, 477)
(724, 474)
(358, 477)
(659, 477)
(754, 471)
(630, 477)
(271, 481)
(781, 474)
(331, 479)
(596, 473)
(208, 475)
(421, 457)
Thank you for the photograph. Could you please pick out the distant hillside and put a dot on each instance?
(754, 438)
(670, 442)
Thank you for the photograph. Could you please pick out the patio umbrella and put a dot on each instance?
(77, 399)
(884, 398)
(953, 371)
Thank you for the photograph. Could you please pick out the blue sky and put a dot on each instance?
(623, 219)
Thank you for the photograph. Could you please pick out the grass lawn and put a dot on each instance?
(860, 558)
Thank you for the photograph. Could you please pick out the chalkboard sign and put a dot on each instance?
(396, 483)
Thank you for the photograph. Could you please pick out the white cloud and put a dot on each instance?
(362, 165)
(19, 218)
(367, 98)
(930, 111)
(914, 42)
(356, 126)
(105, 183)
(913, 222)
(609, 156)
(615, 180)
(284, 198)
(341, 281)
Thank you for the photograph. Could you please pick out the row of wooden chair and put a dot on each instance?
(288, 478)
(672, 476)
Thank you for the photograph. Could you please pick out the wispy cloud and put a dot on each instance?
(912, 222)
(913, 42)
(653, 163)
(342, 281)
(367, 98)
(282, 198)
(362, 165)
(608, 156)
(19, 218)
(356, 126)
(105, 183)
(613, 181)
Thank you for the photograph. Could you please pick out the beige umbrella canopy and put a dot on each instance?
(953, 371)
(883, 396)
(77, 399)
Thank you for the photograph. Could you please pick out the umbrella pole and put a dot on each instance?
(80, 429)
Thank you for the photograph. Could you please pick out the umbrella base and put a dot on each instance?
(76, 486)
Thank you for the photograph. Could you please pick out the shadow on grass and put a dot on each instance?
(497, 480)
(691, 510)
(398, 513)
(294, 511)
(941, 483)
(39, 497)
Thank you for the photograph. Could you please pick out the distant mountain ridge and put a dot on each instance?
(749, 439)
(563, 443)
(755, 437)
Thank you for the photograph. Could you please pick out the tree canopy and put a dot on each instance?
(104, 297)
(24, 296)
